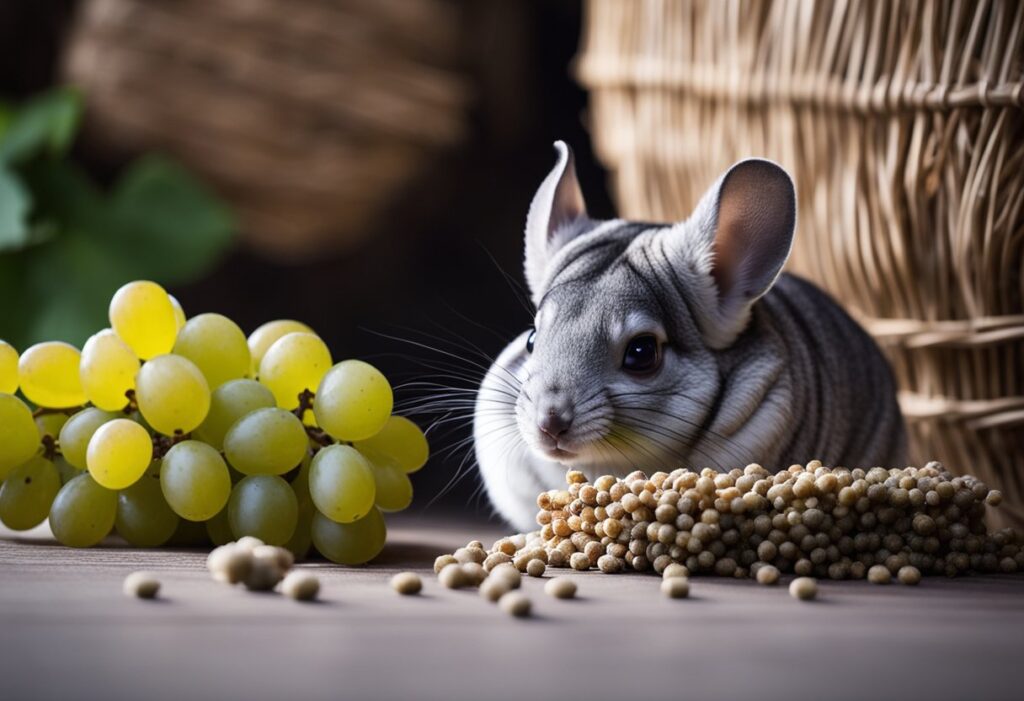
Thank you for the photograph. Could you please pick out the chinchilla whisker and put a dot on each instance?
(722, 441)
(653, 430)
(521, 295)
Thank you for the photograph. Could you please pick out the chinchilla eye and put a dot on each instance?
(641, 354)
(530, 339)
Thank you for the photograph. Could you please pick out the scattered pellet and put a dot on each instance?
(805, 588)
(493, 588)
(767, 574)
(249, 542)
(464, 555)
(515, 604)
(406, 583)
(230, 563)
(300, 585)
(676, 587)
(560, 588)
(264, 574)
(508, 574)
(452, 576)
(474, 573)
(909, 575)
(535, 567)
(441, 561)
(142, 585)
(495, 559)
(879, 574)
(675, 570)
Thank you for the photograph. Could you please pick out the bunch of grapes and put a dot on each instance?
(161, 423)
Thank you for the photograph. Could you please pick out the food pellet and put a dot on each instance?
(909, 575)
(452, 576)
(579, 561)
(515, 604)
(264, 575)
(300, 585)
(767, 574)
(675, 587)
(230, 563)
(560, 588)
(493, 588)
(535, 568)
(442, 561)
(508, 574)
(808, 520)
(608, 564)
(142, 585)
(879, 574)
(464, 555)
(675, 570)
(407, 583)
(804, 588)
(474, 573)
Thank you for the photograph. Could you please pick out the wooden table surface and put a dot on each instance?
(67, 632)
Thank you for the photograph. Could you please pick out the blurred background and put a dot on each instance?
(364, 167)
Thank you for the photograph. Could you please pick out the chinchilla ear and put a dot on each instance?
(557, 214)
(735, 244)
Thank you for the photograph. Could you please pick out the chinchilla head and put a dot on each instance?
(622, 368)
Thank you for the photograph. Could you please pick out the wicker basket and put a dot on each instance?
(308, 116)
(903, 124)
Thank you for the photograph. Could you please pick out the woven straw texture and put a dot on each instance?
(902, 123)
(309, 117)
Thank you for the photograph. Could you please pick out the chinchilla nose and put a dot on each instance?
(554, 423)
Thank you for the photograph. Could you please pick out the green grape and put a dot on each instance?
(302, 539)
(341, 483)
(172, 393)
(195, 480)
(107, 370)
(142, 314)
(230, 402)
(8, 368)
(400, 442)
(266, 442)
(83, 512)
(353, 401)
(179, 313)
(217, 346)
(143, 517)
(295, 362)
(48, 375)
(119, 453)
(51, 424)
(67, 471)
(263, 506)
(394, 489)
(265, 336)
(19, 437)
(27, 493)
(77, 431)
(218, 528)
(350, 543)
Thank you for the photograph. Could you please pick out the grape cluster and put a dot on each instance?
(162, 421)
(809, 520)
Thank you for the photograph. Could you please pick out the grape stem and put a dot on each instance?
(49, 447)
(133, 404)
(162, 444)
(45, 411)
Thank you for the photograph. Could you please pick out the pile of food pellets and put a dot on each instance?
(810, 520)
(261, 567)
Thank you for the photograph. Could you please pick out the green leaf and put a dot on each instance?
(15, 202)
(45, 124)
(166, 222)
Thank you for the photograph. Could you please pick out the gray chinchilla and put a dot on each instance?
(661, 346)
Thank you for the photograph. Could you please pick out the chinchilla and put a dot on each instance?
(657, 346)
